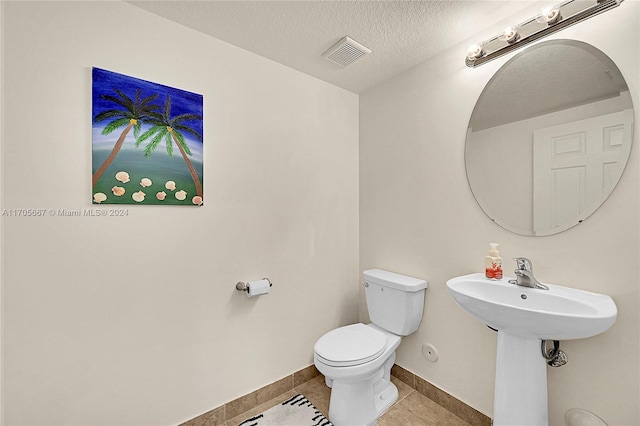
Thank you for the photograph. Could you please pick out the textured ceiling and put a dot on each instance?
(401, 34)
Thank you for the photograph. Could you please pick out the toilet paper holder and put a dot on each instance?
(242, 286)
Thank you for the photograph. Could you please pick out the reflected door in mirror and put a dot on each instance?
(575, 167)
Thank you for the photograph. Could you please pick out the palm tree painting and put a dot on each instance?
(171, 129)
(130, 115)
(125, 173)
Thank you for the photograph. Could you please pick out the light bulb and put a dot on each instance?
(551, 15)
(510, 34)
(475, 51)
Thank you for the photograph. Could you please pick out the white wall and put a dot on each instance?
(418, 217)
(136, 320)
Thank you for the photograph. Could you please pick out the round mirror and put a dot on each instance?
(549, 137)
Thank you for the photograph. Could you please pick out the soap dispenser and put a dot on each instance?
(493, 263)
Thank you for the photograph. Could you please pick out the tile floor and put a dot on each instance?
(411, 409)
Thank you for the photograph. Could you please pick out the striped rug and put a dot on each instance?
(296, 411)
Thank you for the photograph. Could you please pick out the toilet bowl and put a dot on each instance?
(356, 359)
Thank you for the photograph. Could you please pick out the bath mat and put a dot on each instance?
(295, 411)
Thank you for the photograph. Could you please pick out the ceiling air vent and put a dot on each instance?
(346, 52)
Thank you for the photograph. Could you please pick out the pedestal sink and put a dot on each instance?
(523, 317)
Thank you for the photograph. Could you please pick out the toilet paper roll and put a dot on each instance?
(256, 288)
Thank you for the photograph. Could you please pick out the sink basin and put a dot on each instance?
(559, 313)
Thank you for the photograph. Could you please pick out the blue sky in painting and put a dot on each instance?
(182, 102)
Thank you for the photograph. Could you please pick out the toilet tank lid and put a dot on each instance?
(393, 280)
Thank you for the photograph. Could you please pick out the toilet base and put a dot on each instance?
(360, 404)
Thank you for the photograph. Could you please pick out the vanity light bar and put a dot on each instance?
(547, 22)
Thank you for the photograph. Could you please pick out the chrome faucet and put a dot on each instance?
(524, 274)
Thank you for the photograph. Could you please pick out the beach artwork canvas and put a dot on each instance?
(147, 142)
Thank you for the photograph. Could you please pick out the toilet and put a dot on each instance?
(356, 359)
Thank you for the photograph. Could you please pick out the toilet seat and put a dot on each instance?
(350, 345)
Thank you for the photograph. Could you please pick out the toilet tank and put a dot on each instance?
(395, 301)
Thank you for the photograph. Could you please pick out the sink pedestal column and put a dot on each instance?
(521, 383)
